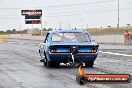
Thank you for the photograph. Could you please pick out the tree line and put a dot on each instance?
(13, 31)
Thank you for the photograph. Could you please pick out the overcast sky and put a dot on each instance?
(70, 13)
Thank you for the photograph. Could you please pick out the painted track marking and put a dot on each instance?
(118, 54)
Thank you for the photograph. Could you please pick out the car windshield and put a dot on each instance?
(70, 37)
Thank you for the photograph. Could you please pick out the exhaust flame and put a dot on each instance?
(82, 71)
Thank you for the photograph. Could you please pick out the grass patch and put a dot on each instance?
(3, 37)
(107, 31)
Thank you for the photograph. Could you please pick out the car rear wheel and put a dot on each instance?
(53, 64)
(89, 64)
(49, 64)
(56, 64)
(45, 63)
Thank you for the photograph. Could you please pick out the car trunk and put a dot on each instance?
(76, 48)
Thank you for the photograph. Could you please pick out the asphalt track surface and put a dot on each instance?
(20, 67)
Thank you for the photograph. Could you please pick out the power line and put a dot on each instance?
(86, 3)
(10, 18)
(87, 13)
(72, 13)
(75, 11)
(57, 6)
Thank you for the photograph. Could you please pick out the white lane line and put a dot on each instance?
(118, 54)
(10, 42)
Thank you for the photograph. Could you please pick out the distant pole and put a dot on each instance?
(69, 25)
(41, 26)
(20, 29)
(60, 24)
(118, 25)
(87, 27)
(82, 22)
(45, 23)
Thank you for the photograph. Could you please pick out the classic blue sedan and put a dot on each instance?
(68, 46)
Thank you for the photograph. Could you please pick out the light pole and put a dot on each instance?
(118, 19)
(82, 21)
(69, 25)
(41, 26)
(60, 23)
(118, 25)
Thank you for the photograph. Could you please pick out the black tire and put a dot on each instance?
(49, 64)
(56, 64)
(89, 64)
(45, 63)
(53, 64)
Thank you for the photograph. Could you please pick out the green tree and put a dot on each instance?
(8, 31)
(2, 32)
(44, 29)
(50, 29)
(14, 31)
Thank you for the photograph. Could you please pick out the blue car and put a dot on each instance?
(68, 46)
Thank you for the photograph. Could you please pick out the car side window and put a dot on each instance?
(46, 38)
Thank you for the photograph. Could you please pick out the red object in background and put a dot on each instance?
(33, 21)
(36, 21)
(127, 37)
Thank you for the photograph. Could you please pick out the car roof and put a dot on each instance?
(66, 30)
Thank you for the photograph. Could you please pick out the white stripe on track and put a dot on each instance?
(118, 54)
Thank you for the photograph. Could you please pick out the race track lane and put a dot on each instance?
(20, 68)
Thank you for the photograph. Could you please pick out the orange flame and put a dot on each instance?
(82, 71)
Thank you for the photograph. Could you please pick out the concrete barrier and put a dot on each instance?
(109, 39)
(104, 39)
(26, 37)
